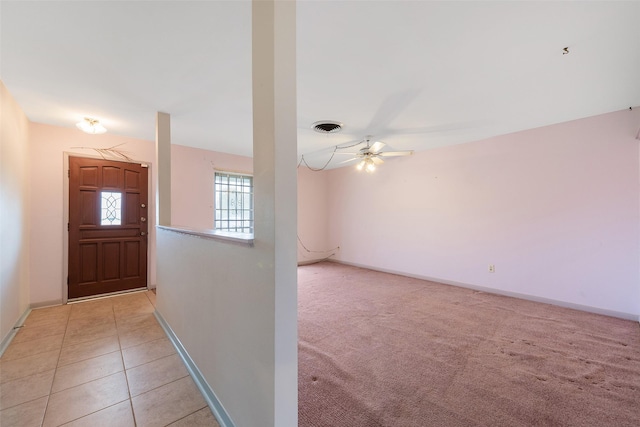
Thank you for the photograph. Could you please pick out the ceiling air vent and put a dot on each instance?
(327, 126)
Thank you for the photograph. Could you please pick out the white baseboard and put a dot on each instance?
(565, 304)
(310, 261)
(212, 400)
(7, 340)
(43, 304)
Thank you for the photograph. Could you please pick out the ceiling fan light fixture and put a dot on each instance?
(371, 166)
(327, 126)
(371, 156)
(367, 164)
(91, 126)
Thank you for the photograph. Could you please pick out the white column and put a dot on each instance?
(275, 151)
(163, 169)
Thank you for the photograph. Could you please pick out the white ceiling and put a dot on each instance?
(413, 74)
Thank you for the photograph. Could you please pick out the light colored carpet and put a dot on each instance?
(377, 349)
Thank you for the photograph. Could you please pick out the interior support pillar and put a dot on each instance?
(275, 181)
(163, 169)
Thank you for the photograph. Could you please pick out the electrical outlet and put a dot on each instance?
(492, 268)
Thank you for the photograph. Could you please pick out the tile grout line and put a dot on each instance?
(26, 401)
(91, 380)
(151, 361)
(46, 408)
(91, 413)
(58, 361)
(123, 371)
(67, 332)
(188, 415)
(37, 373)
(133, 414)
(171, 382)
(126, 377)
(138, 345)
(30, 354)
(88, 358)
(161, 385)
(146, 363)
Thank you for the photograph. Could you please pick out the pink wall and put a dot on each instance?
(192, 177)
(312, 217)
(14, 213)
(555, 209)
(47, 220)
(192, 185)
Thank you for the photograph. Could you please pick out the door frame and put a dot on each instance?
(65, 218)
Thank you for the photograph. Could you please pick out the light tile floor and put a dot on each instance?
(104, 362)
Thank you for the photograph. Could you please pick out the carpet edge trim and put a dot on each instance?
(559, 303)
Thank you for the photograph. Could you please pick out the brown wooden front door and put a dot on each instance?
(108, 217)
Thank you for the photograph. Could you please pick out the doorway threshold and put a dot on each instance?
(102, 296)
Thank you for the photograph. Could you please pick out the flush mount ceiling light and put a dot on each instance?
(327, 126)
(91, 126)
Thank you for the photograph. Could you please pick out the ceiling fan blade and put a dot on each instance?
(377, 160)
(348, 160)
(377, 146)
(396, 153)
(349, 144)
(390, 108)
(441, 128)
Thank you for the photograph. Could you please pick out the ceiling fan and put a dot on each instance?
(371, 155)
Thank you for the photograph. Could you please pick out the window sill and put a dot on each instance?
(225, 236)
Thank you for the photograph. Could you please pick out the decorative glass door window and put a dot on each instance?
(111, 208)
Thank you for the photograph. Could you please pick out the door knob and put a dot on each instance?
(143, 205)
(143, 219)
(142, 233)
